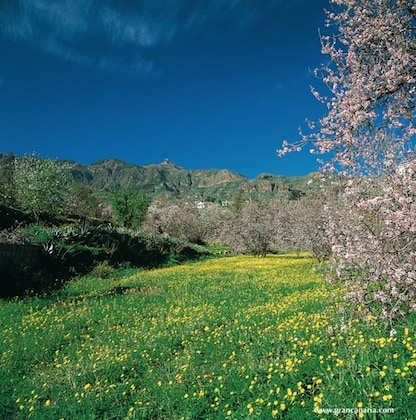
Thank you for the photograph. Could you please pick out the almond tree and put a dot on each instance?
(371, 78)
(253, 229)
(306, 225)
(177, 221)
(368, 132)
(41, 185)
(373, 233)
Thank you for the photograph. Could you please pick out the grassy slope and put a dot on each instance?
(223, 338)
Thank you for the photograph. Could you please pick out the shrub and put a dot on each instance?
(103, 269)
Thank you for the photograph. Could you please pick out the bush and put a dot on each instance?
(103, 269)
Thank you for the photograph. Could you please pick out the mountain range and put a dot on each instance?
(167, 181)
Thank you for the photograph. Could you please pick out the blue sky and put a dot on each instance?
(204, 83)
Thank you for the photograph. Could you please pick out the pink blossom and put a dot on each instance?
(368, 129)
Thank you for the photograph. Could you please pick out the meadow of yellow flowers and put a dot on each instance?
(234, 337)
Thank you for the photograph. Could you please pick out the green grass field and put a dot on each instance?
(233, 337)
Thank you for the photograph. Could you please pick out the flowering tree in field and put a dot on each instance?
(176, 220)
(41, 185)
(373, 232)
(253, 228)
(371, 77)
(368, 131)
(304, 221)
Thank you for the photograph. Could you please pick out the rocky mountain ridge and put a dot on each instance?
(167, 181)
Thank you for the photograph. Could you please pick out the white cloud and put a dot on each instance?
(34, 18)
(131, 66)
(141, 30)
(98, 32)
(68, 54)
(86, 32)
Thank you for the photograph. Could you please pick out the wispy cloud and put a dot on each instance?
(98, 32)
(87, 32)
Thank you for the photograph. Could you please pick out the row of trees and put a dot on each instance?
(256, 227)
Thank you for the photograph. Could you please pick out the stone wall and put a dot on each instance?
(12, 255)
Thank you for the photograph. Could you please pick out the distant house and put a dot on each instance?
(201, 205)
(407, 169)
